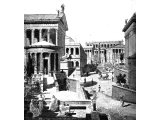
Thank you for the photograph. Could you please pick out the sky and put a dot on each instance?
(88, 20)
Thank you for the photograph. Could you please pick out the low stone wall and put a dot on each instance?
(129, 95)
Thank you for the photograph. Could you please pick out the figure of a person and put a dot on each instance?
(40, 104)
(92, 81)
(84, 80)
(99, 88)
(33, 109)
(53, 105)
(122, 99)
(61, 108)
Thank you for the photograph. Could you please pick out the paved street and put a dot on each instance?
(106, 85)
(104, 102)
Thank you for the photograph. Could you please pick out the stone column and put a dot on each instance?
(35, 63)
(74, 51)
(40, 35)
(54, 61)
(41, 63)
(56, 37)
(49, 64)
(32, 40)
(48, 35)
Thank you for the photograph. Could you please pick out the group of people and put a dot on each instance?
(36, 106)
(36, 109)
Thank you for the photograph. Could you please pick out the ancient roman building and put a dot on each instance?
(104, 51)
(78, 56)
(44, 40)
(130, 50)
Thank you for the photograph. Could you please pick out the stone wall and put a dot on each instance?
(129, 95)
(132, 73)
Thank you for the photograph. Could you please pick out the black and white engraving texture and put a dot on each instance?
(69, 78)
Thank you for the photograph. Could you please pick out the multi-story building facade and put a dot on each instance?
(78, 56)
(44, 40)
(105, 51)
(130, 50)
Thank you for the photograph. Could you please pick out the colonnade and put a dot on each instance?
(116, 54)
(109, 56)
(38, 35)
(45, 63)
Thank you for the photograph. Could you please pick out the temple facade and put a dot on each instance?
(104, 51)
(44, 40)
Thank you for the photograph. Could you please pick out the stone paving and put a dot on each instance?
(105, 104)
(106, 85)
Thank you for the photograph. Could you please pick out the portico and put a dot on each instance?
(44, 56)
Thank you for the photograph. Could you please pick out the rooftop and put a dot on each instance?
(34, 17)
(38, 18)
(118, 46)
(132, 19)
(70, 41)
(103, 42)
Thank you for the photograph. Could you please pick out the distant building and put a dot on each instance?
(44, 40)
(130, 50)
(105, 51)
(78, 56)
(89, 52)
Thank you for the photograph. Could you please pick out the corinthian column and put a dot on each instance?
(49, 64)
(35, 64)
(41, 63)
(56, 37)
(32, 40)
(54, 54)
(40, 35)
